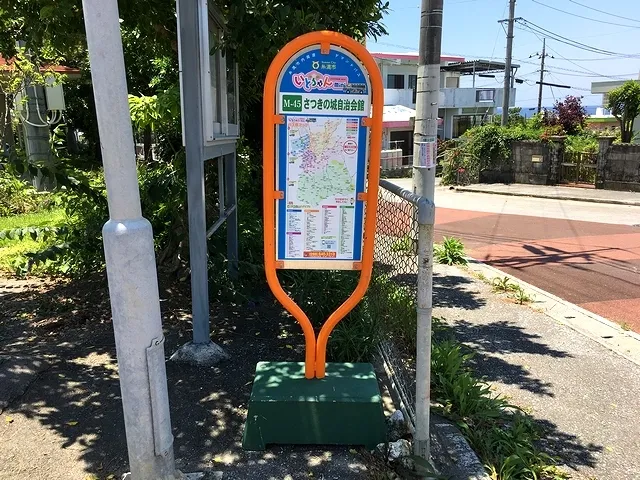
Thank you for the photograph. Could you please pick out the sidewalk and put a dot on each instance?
(556, 192)
(582, 393)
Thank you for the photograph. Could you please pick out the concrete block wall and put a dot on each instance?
(525, 169)
(622, 168)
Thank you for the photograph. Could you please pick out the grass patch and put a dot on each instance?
(503, 285)
(449, 252)
(46, 218)
(503, 435)
(12, 251)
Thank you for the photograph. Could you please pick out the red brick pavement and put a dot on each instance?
(594, 265)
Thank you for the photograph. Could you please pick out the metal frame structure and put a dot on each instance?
(201, 146)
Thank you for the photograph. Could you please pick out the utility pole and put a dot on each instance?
(507, 64)
(424, 176)
(130, 258)
(544, 54)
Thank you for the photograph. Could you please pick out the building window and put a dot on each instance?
(485, 95)
(452, 82)
(395, 81)
(413, 85)
(462, 123)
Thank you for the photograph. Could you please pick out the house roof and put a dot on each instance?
(397, 113)
(476, 66)
(411, 56)
(606, 87)
(62, 69)
(399, 116)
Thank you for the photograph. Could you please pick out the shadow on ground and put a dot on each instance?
(448, 290)
(572, 452)
(67, 420)
(500, 337)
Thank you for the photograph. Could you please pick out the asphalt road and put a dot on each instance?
(585, 253)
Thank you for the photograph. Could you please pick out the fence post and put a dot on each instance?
(426, 220)
(557, 157)
(604, 143)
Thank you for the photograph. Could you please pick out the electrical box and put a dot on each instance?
(54, 95)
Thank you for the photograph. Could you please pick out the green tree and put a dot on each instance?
(256, 31)
(272, 23)
(624, 103)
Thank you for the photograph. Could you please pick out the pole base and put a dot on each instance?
(200, 354)
(188, 476)
(343, 408)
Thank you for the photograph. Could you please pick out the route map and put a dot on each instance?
(322, 156)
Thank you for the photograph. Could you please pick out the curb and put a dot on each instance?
(605, 332)
(631, 203)
(451, 454)
(448, 442)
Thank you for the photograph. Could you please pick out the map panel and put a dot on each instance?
(322, 163)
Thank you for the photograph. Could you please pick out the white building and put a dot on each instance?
(604, 88)
(459, 108)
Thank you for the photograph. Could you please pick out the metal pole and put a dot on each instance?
(232, 220)
(130, 259)
(507, 65)
(544, 53)
(424, 174)
(474, 74)
(194, 146)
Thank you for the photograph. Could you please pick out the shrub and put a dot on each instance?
(570, 114)
(487, 147)
(503, 436)
(450, 252)
(583, 142)
(18, 197)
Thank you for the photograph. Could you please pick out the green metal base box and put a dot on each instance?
(344, 408)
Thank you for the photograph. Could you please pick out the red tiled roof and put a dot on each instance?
(4, 64)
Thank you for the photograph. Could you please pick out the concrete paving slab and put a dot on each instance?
(582, 393)
(17, 372)
(556, 192)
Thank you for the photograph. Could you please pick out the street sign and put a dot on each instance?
(322, 138)
(322, 122)
(321, 159)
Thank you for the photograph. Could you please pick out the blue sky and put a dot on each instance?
(471, 29)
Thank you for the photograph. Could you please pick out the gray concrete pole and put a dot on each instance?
(506, 93)
(424, 175)
(130, 259)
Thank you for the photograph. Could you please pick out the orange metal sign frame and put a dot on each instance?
(315, 350)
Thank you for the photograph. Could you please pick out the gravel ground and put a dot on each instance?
(585, 395)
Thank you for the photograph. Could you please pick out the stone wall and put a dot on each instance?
(622, 168)
(531, 162)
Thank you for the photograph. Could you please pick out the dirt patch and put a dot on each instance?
(67, 421)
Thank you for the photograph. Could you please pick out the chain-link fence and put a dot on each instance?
(396, 259)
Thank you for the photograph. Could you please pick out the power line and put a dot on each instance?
(596, 75)
(606, 13)
(583, 68)
(597, 59)
(582, 16)
(534, 28)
